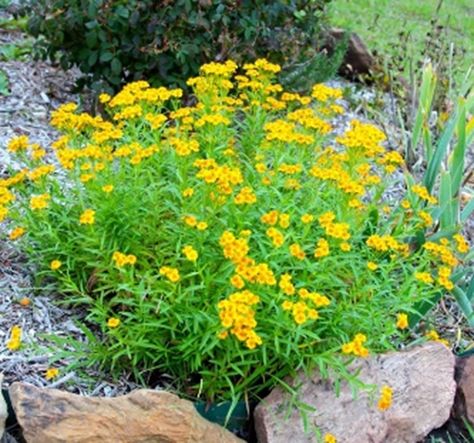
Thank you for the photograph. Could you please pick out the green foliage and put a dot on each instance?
(444, 171)
(116, 41)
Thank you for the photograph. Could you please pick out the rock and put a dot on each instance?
(358, 59)
(54, 416)
(423, 386)
(464, 403)
(3, 409)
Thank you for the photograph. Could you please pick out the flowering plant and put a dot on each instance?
(232, 242)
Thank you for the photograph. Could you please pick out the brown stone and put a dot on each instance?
(464, 403)
(144, 416)
(358, 59)
(423, 386)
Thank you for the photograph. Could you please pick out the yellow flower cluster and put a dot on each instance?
(423, 193)
(87, 217)
(297, 251)
(462, 245)
(38, 202)
(190, 253)
(19, 143)
(322, 248)
(384, 243)
(224, 177)
(356, 346)
(335, 230)
(122, 260)
(444, 272)
(276, 237)
(323, 93)
(172, 274)
(245, 196)
(424, 277)
(238, 316)
(443, 252)
(300, 310)
(364, 136)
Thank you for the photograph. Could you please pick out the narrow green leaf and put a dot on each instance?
(465, 304)
(439, 154)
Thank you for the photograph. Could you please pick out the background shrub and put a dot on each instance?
(117, 41)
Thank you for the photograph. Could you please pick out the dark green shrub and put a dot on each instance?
(113, 41)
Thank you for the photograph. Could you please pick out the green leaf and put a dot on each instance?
(466, 305)
(106, 56)
(467, 211)
(440, 152)
(116, 66)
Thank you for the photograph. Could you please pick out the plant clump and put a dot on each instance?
(231, 242)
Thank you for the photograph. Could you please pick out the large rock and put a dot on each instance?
(423, 392)
(144, 416)
(464, 407)
(358, 59)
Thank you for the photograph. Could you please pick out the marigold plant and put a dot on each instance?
(230, 242)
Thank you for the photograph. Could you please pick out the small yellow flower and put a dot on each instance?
(87, 217)
(190, 253)
(372, 266)
(104, 98)
(55, 265)
(201, 226)
(16, 233)
(188, 192)
(113, 322)
(385, 400)
(51, 373)
(108, 188)
(402, 321)
(307, 218)
(329, 438)
(15, 339)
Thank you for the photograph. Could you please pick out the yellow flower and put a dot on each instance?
(172, 274)
(372, 266)
(201, 226)
(113, 322)
(108, 188)
(123, 259)
(434, 336)
(16, 233)
(329, 438)
(190, 253)
(87, 217)
(385, 400)
(402, 321)
(188, 192)
(51, 373)
(237, 281)
(38, 202)
(55, 265)
(104, 98)
(307, 218)
(15, 339)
